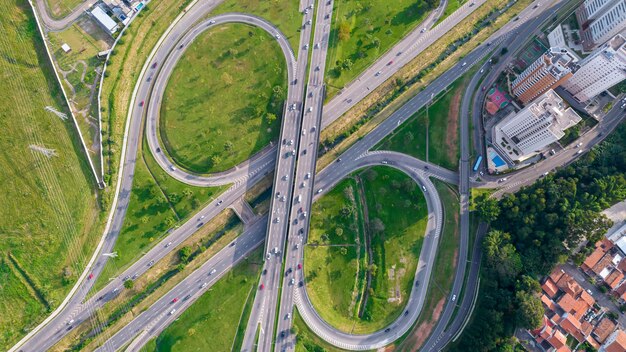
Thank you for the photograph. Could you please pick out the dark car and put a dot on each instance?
(264, 271)
(154, 65)
(301, 283)
(141, 103)
(387, 329)
(187, 297)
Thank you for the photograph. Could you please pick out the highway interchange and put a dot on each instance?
(243, 176)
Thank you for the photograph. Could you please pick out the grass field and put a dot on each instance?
(157, 203)
(336, 275)
(50, 219)
(224, 100)
(397, 217)
(434, 128)
(443, 273)
(211, 323)
(362, 31)
(283, 14)
(335, 259)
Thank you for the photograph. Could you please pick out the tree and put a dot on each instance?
(270, 117)
(228, 145)
(378, 225)
(339, 231)
(343, 250)
(216, 160)
(129, 284)
(529, 310)
(487, 207)
(346, 64)
(376, 42)
(184, 254)
(344, 30)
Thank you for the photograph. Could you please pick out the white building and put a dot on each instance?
(107, 22)
(522, 135)
(556, 38)
(601, 70)
(547, 72)
(600, 20)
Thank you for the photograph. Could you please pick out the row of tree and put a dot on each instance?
(535, 229)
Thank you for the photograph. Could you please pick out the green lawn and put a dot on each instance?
(451, 6)
(224, 100)
(50, 219)
(157, 203)
(283, 14)
(334, 274)
(211, 323)
(436, 126)
(362, 31)
(443, 273)
(397, 217)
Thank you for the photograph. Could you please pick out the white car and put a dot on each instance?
(310, 109)
(172, 311)
(317, 46)
(213, 271)
(277, 220)
(453, 298)
(172, 167)
(307, 176)
(277, 36)
(204, 285)
(168, 244)
(465, 63)
(320, 190)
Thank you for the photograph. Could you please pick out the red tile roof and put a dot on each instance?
(593, 258)
(556, 274)
(569, 285)
(587, 298)
(614, 278)
(550, 288)
(573, 306)
(572, 326)
(586, 328)
(604, 329)
(619, 344)
(557, 340)
(602, 263)
(593, 342)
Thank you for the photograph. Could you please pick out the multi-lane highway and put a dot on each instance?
(295, 110)
(156, 318)
(304, 176)
(56, 328)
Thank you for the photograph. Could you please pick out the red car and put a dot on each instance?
(299, 266)
(261, 287)
(389, 63)
(141, 103)
(90, 276)
(175, 300)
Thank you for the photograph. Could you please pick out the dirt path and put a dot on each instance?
(414, 341)
(368, 245)
(452, 131)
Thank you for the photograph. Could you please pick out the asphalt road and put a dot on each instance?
(613, 118)
(56, 24)
(156, 318)
(296, 110)
(304, 177)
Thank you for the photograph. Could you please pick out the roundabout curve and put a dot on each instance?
(412, 167)
(166, 59)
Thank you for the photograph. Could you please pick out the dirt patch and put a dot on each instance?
(452, 130)
(414, 341)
